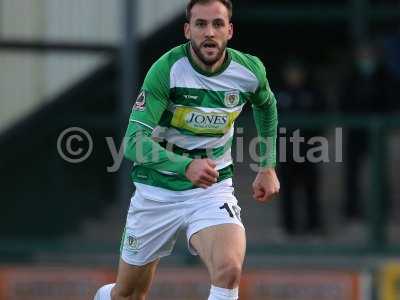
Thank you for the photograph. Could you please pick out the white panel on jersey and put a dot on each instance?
(163, 195)
(172, 107)
(190, 142)
(224, 161)
(235, 77)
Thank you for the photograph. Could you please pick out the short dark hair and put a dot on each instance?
(191, 3)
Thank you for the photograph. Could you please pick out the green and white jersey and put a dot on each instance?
(192, 113)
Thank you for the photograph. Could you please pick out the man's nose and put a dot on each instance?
(209, 31)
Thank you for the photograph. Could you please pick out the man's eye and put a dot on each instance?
(201, 24)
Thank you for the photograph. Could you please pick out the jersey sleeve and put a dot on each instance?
(263, 94)
(154, 96)
(266, 118)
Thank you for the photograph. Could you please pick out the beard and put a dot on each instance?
(207, 60)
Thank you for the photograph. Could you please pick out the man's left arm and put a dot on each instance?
(266, 184)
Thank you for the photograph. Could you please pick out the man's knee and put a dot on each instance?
(119, 293)
(227, 274)
(130, 293)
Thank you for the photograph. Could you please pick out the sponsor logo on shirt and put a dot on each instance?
(231, 98)
(140, 104)
(206, 120)
(201, 122)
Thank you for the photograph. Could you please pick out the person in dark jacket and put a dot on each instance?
(297, 95)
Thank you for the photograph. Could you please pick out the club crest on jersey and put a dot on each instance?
(231, 98)
(140, 103)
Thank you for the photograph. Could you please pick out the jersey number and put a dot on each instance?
(235, 213)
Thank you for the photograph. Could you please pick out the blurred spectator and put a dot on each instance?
(298, 96)
(368, 89)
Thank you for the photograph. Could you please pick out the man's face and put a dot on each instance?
(209, 31)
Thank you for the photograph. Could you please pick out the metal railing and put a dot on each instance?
(377, 215)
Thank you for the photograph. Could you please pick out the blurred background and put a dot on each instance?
(334, 67)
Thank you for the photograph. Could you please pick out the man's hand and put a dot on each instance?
(202, 173)
(266, 185)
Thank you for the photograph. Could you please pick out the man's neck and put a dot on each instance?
(207, 68)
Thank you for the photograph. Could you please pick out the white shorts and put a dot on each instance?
(152, 227)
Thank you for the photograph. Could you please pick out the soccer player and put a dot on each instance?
(179, 137)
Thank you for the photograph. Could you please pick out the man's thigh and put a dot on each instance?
(132, 280)
(215, 230)
(151, 230)
(220, 244)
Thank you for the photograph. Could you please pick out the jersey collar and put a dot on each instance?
(221, 69)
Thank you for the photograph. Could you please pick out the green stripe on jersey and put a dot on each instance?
(207, 98)
(171, 182)
(213, 154)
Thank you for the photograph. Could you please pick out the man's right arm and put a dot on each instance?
(140, 148)
(151, 103)
(146, 114)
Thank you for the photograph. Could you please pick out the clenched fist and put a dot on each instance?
(266, 185)
(202, 173)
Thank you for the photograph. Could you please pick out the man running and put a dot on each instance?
(179, 137)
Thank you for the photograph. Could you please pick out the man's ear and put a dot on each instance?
(230, 31)
(186, 29)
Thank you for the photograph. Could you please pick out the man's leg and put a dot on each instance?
(150, 233)
(222, 249)
(133, 282)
